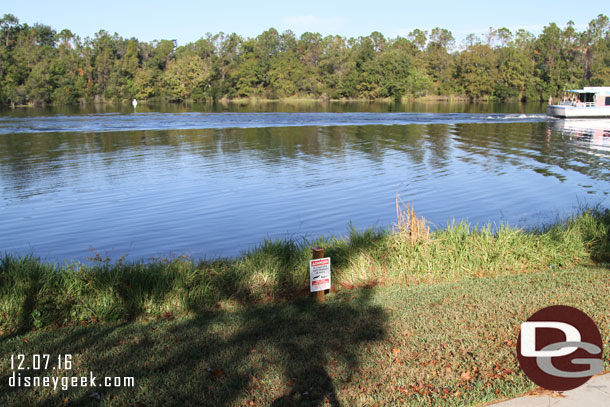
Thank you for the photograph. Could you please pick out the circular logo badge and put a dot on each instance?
(560, 348)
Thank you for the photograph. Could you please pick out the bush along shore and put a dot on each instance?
(34, 294)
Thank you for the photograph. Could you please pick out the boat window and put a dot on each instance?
(586, 97)
(607, 100)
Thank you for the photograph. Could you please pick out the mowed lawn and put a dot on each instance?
(427, 344)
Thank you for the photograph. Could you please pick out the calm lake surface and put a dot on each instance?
(209, 181)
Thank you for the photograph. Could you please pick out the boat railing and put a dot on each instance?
(576, 104)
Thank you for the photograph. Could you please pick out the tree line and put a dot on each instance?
(41, 66)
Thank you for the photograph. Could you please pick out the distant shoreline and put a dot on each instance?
(296, 100)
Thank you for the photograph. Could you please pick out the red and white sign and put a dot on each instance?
(319, 274)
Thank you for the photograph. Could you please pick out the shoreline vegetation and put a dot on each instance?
(44, 66)
(296, 100)
(417, 318)
(34, 294)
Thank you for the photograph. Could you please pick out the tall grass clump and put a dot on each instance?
(461, 250)
(409, 227)
(591, 228)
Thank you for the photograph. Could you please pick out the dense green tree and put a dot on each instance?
(67, 70)
(551, 64)
(419, 38)
(225, 63)
(439, 60)
(10, 78)
(476, 71)
(186, 77)
(285, 75)
(332, 66)
(163, 53)
(596, 40)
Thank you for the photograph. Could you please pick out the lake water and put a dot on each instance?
(215, 181)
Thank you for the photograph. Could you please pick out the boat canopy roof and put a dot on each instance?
(591, 89)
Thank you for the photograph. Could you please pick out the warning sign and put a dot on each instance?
(319, 274)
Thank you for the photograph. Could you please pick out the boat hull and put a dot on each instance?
(581, 112)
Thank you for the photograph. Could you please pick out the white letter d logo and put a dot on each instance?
(528, 338)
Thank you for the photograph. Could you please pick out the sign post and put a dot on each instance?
(319, 274)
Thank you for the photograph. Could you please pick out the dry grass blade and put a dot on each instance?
(409, 226)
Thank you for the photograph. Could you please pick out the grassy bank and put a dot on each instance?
(35, 294)
(439, 344)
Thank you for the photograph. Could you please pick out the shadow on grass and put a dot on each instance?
(30, 274)
(295, 353)
(29, 303)
(135, 285)
(357, 242)
(600, 250)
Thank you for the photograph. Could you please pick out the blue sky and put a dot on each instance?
(186, 20)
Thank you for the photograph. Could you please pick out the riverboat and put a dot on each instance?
(589, 102)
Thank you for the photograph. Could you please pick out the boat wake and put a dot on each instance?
(182, 121)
